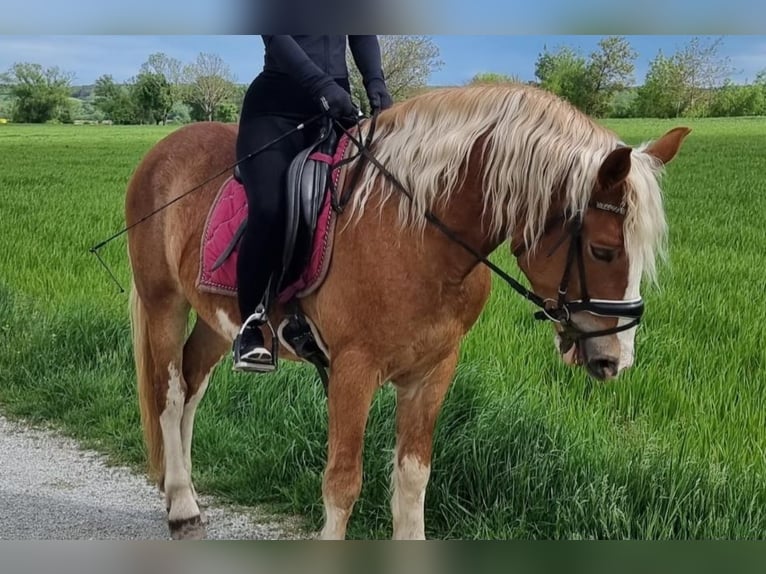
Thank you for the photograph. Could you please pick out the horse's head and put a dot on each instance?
(588, 265)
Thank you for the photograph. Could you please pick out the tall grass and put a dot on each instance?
(525, 447)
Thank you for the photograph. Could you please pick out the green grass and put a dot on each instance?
(525, 447)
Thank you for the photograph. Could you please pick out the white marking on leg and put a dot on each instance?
(334, 523)
(187, 424)
(177, 479)
(228, 328)
(410, 478)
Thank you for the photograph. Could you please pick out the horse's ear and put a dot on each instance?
(615, 168)
(666, 148)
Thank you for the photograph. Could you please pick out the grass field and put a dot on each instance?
(525, 448)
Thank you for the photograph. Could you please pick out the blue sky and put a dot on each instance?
(463, 56)
(386, 17)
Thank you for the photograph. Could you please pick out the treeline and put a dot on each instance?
(695, 81)
(164, 90)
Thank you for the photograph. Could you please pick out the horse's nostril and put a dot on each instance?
(603, 368)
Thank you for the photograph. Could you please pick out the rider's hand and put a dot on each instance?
(377, 93)
(335, 101)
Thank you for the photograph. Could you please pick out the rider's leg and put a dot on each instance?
(261, 248)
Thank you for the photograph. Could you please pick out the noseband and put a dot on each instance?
(561, 310)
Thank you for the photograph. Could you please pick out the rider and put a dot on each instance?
(302, 76)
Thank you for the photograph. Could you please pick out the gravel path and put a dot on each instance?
(52, 489)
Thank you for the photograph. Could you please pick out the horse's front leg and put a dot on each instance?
(351, 388)
(418, 402)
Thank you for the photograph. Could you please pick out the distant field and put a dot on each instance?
(526, 448)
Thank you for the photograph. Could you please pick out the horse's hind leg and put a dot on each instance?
(184, 518)
(418, 401)
(163, 396)
(350, 390)
(203, 349)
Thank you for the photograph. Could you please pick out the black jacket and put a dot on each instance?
(311, 60)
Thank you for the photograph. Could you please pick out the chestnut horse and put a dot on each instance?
(582, 212)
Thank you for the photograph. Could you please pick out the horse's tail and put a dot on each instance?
(145, 369)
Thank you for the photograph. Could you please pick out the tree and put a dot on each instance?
(39, 94)
(623, 104)
(72, 110)
(588, 83)
(662, 94)
(760, 85)
(494, 78)
(238, 98)
(209, 83)
(114, 101)
(226, 112)
(702, 70)
(180, 114)
(565, 73)
(407, 62)
(81, 92)
(6, 109)
(684, 83)
(171, 69)
(610, 70)
(738, 100)
(151, 95)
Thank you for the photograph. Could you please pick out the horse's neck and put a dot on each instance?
(469, 215)
(465, 216)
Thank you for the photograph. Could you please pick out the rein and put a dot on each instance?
(563, 310)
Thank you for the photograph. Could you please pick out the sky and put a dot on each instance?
(384, 16)
(89, 57)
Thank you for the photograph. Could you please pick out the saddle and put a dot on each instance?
(307, 184)
(306, 187)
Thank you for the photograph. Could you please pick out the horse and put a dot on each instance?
(409, 276)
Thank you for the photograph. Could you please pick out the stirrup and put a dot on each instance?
(259, 359)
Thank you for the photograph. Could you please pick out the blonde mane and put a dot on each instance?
(533, 143)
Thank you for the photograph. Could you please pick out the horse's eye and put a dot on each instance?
(603, 253)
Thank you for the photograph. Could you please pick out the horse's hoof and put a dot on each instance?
(187, 529)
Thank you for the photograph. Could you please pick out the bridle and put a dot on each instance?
(559, 311)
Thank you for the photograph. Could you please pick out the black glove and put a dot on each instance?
(335, 100)
(377, 92)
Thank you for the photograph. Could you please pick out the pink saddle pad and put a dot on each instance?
(226, 214)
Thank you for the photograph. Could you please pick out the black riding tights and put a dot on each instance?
(273, 105)
(260, 251)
